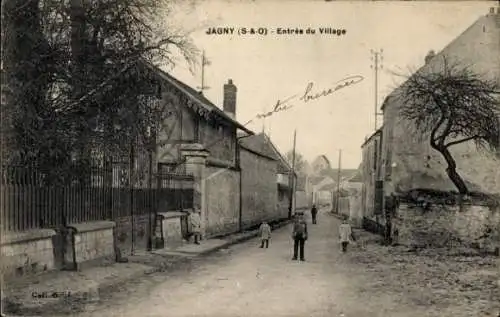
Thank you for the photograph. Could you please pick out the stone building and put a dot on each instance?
(201, 139)
(408, 161)
(397, 158)
(259, 168)
(259, 178)
(371, 200)
(284, 182)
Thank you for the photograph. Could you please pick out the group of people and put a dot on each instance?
(299, 232)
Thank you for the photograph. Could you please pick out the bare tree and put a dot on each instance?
(75, 69)
(300, 162)
(453, 106)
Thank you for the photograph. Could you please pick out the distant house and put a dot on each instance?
(352, 193)
(322, 188)
(354, 184)
(320, 164)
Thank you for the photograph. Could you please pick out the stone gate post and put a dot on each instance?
(195, 156)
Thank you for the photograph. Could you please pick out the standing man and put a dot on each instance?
(391, 206)
(195, 221)
(314, 212)
(345, 232)
(299, 236)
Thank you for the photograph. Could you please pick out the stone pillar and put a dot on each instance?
(195, 156)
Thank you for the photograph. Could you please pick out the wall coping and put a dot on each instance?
(26, 236)
(215, 162)
(92, 226)
(466, 207)
(172, 214)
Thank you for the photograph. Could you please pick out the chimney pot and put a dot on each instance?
(229, 103)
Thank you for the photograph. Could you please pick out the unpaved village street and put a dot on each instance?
(248, 281)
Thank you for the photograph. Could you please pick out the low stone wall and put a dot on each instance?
(222, 201)
(27, 252)
(445, 226)
(92, 241)
(172, 227)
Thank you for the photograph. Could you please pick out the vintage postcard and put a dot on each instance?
(250, 158)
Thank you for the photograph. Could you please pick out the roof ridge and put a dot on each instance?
(196, 97)
(275, 149)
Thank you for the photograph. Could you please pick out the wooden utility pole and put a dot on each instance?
(377, 59)
(292, 178)
(338, 182)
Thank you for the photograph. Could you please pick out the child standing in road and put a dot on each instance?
(195, 221)
(345, 233)
(265, 234)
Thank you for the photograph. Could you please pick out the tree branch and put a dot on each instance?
(434, 131)
(463, 140)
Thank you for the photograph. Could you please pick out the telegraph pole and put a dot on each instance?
(204, 62)
(338, 182)
(292, 176)
(377, 59)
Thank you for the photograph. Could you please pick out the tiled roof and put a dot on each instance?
(258, 143)
(197, 98)
(357, 178)
(314, 180)
(283, 166)
(261, 143)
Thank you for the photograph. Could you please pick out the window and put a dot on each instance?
(188, 125)
(281, 195)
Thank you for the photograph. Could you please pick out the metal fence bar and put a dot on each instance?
(27, 203)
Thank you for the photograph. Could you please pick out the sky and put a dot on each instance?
(272, 67)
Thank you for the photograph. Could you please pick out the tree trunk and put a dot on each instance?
(24, 75)
(78, 54)
(451, 170)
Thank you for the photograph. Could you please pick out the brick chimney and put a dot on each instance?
(429, 56)
(229, 104)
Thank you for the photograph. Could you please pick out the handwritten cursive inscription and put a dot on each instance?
(310, 95)
(280, 106)
(348, 81)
